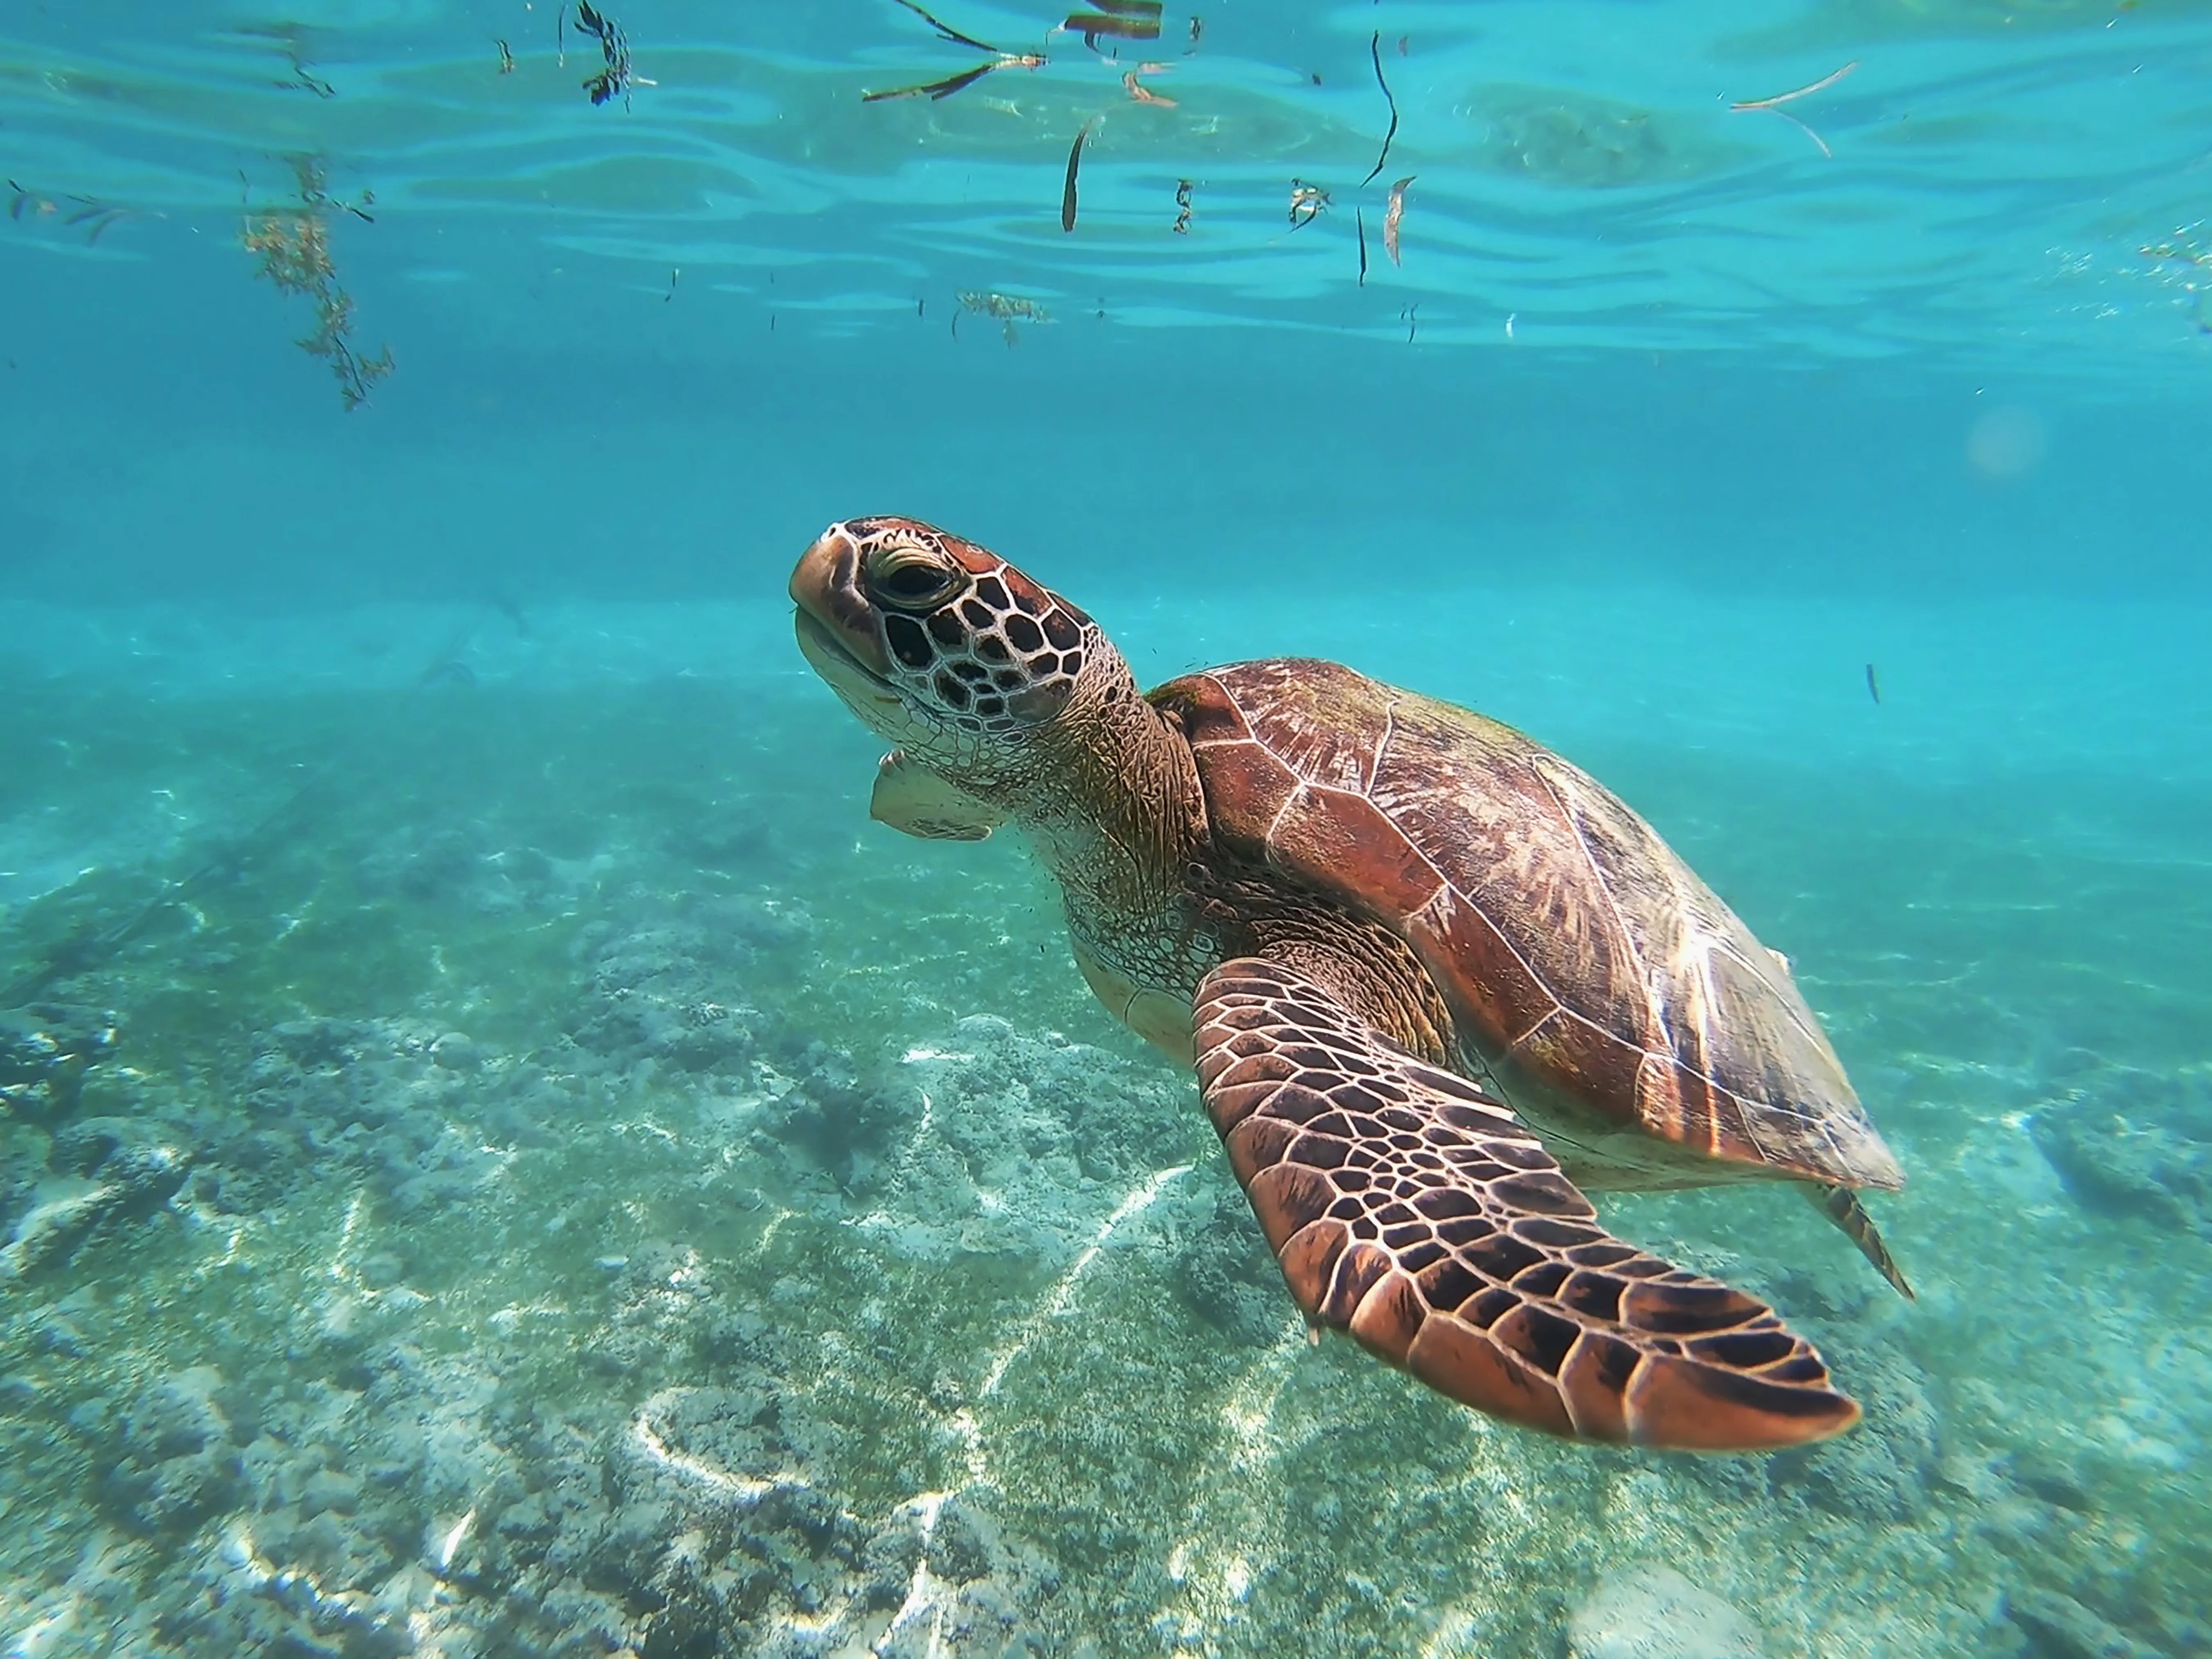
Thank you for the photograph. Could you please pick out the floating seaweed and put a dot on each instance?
(1395, 215)
(2197, 258)
(309, 173)
(289, 42)
(1119, 20)
(1006, 308)
(616, 77)
(303, 79)
(1774, 104)
(1144, 95)
(1067, 189)
(305, 82)
(950, 34)
(1375, 51)
(2186, 255)
(1307, 202)
(936, 91)
(294, 246)
(94, 217)
(98, 216)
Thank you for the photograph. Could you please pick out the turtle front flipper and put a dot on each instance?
(915, 801)
(1410, 1209)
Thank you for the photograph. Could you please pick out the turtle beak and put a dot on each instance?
(836, 622)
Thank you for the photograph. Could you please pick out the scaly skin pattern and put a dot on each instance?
(1052, 734)
(1412, 1211)
(1256, 881)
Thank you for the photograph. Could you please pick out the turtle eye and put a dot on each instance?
(909, 579)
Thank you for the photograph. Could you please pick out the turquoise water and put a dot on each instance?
(499, 1154)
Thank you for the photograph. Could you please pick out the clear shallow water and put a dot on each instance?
(558, 1179)
(1581, 168)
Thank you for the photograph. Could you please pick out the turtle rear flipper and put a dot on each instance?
(1410, 1209)
(1842, 1205)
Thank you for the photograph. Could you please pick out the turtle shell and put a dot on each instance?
(1621, 1006)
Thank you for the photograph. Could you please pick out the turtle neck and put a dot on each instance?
(1112, 805)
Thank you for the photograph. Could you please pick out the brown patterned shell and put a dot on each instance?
(1616, 1000)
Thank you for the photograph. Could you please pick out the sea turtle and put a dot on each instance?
(1428, 972)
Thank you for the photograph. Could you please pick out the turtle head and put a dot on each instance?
(944, 649)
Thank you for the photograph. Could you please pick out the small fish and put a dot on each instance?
(1307, 202)
(674, 271)
(1197, 29)
(1183, 207)
(1873, 686)
(1410, 316)
(1394, 216)
(921, 310)
(1067, 191)
(506, 57)
(1359, 220)
(1402, 47)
